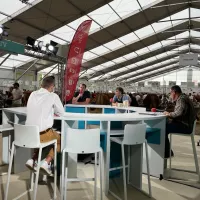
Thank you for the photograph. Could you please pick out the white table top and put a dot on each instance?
(106, 106)
(95, 117)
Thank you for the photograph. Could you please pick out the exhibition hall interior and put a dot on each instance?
(99, 99)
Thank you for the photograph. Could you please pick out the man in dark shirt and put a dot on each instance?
(183, 117)
(82, 97)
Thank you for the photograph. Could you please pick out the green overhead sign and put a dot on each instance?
(11, 47)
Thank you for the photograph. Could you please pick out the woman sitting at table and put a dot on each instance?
(120, 96)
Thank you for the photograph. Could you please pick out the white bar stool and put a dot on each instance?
(29, 137)
(193, 147)
(82, 142)
(133, 135)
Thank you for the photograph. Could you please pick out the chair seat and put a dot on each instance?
(42, 145)
(68, 150)
(117, 139)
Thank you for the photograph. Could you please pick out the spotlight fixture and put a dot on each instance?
(44, 49)
(3, 31)
(36, 44)
(40, 44)
(30, 41)
(53, 47)
(24, 1)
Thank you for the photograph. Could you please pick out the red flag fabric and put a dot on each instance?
(74, 59)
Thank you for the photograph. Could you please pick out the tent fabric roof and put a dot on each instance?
(127, 37)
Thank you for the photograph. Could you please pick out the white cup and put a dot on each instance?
(125, 103)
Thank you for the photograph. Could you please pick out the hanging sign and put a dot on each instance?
(188, 59)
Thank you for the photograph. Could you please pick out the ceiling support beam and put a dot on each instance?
(174, 4)
(172, 20)
(28, 69)
(50, 71)
(4, 60)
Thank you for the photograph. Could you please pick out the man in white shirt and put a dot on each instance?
(16, 96)
(41, 107)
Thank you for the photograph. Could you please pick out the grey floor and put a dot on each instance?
(162, 190)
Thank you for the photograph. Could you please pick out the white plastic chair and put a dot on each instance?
(82, 142)
(29, 137)
(134, 134)
(193, 147)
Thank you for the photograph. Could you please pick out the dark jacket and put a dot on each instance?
(184, 111)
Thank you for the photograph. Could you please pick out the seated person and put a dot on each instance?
(120, 96)
(181, 120)
(151, 101)
(42, 105)
(82, 97)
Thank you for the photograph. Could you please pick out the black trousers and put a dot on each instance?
(174, 127)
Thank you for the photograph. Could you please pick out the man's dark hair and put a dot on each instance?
(48, 81)
(176, 89)
(83, 85)
(120, 89)
(16, 84)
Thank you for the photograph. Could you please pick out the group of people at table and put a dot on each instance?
(44, 103)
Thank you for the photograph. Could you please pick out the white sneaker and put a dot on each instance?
(31, 164)
(45, 168)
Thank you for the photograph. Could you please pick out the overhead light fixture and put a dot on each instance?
(51, 48)
(24, 1)
(40, 44)
(36, 44)
(30, 41)
(3, 31)
(44, 49)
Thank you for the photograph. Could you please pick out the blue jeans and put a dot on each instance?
(174, 127)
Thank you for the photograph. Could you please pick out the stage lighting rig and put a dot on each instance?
(43, 47)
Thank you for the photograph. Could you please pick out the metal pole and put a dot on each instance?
(83, 73)
(49, 72)
(183, 30)
(36, 79)
(28, 69)
(15, 74)
(174, 4)
(5, 59)
(178, 19)
(189, 26)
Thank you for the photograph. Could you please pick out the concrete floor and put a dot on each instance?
(162, 190)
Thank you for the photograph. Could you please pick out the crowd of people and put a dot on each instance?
(14, 97)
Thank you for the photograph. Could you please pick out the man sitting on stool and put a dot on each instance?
(42, 105)
(182, 119)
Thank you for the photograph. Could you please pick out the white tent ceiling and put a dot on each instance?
(127, 37)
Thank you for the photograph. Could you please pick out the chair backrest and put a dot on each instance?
(27, 136)
(134, 134)
(82, 141)
(194, 127)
